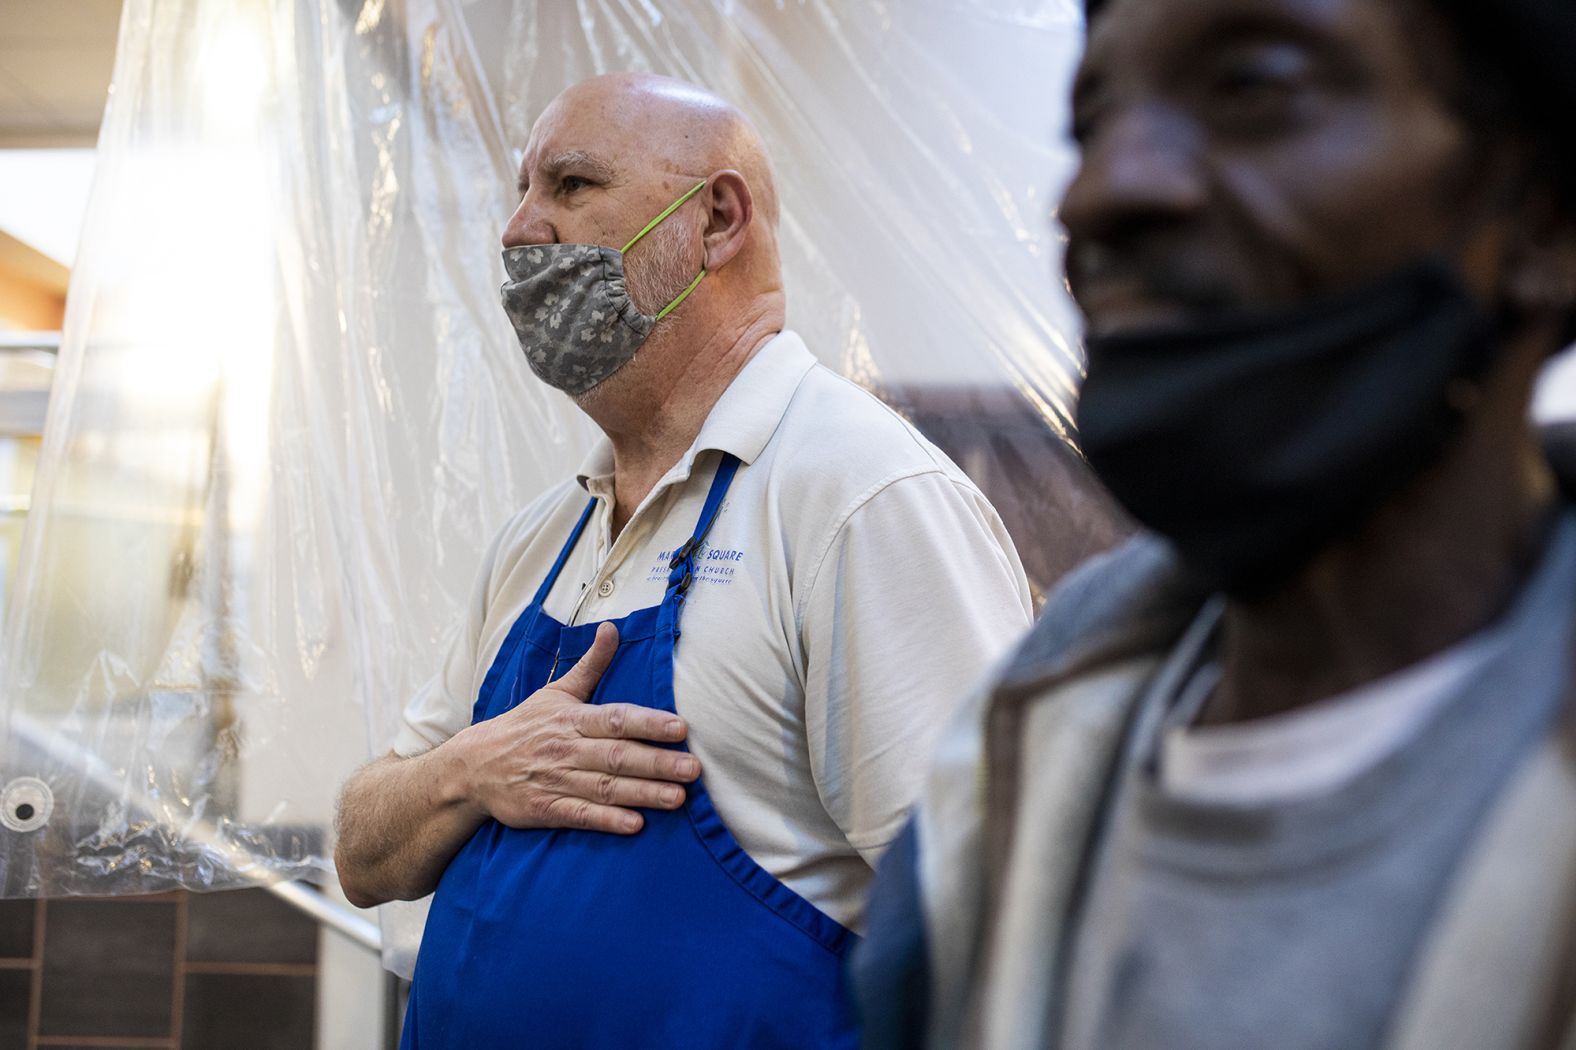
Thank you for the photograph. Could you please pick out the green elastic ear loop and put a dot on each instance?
(669, 210)
(682, 296)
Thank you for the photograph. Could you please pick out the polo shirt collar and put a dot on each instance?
(744, 418)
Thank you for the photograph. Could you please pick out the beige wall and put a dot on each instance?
(32, 288)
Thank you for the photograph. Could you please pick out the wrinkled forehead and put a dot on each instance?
(567, 130)
(619, 129)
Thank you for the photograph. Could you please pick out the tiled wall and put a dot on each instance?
(218, 971)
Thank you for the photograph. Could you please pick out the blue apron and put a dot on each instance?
(670, 938)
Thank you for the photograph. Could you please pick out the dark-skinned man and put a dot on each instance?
(1294, 769)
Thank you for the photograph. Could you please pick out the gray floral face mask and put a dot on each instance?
(572, 312)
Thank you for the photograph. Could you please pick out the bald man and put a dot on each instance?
(697, 683)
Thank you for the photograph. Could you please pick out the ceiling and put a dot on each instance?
(56, 57)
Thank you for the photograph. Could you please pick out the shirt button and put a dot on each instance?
(606, 588)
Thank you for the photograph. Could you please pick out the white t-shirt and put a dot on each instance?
(1314, 750)
(854, 585)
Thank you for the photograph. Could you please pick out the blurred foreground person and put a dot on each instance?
(1294, 770)
(769, 587)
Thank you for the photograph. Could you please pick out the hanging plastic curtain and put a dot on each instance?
(290, 414)
(285, 421)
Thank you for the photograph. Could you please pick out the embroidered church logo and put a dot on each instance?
(712, 564)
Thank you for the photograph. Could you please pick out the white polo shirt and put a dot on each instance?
(853, 587)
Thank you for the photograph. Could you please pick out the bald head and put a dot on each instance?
(669, 124)
(677, 180)
(610, 153)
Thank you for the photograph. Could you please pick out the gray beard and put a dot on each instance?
(660, 267)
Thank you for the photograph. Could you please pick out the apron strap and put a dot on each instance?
(563, 556)
(682, 566)
(708, 516)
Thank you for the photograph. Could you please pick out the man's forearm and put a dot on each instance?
(555, 760)
(401, 820)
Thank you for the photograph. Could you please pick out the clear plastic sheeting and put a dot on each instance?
(290, 413)
(286, 419)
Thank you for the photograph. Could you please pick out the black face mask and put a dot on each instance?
(1255, 441)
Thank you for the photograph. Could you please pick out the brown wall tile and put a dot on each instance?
(15, 992)
(248, 1012)
(248, 926)
(109, 968)
(16, 929)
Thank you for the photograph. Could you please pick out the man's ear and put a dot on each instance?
(732, 209)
